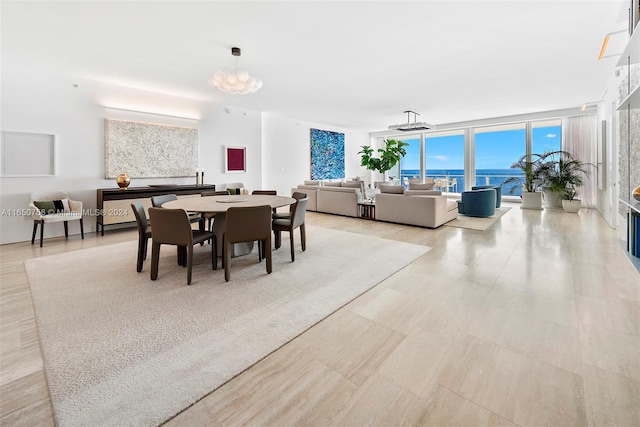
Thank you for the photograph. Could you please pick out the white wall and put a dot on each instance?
(45, 103)
(286, 160)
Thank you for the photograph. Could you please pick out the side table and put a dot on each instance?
(367, 209)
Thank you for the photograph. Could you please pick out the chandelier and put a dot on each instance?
(236, 81)
(406, 127)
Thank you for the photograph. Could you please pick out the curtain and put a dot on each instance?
(580, 139)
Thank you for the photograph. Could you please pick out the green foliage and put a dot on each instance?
(553, 170)
(389, 156)
(570, 194)
(561, 170)
(531, 167)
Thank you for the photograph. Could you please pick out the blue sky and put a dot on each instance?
(494, 150)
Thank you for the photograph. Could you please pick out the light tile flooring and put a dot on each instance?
(535, 321)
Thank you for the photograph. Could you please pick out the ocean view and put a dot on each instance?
(483, 177)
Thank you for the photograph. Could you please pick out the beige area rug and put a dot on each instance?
(120, 349)
(480, 224)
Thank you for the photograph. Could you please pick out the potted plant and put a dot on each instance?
(389, 156)
(570, 201)
(560, 171)
(529, 181)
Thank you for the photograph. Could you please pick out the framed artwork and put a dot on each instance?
(147, 150)
(27, 154)
(235, 159)
(327, 154)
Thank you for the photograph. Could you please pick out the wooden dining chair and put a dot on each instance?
(158, 201)
(247, 224)
(172, 227)
(266, 193)
(290, 224)
(144, 233)
(296, 195)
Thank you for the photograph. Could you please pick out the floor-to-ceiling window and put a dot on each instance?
(496, 149)
(410, 163)
(444, 159)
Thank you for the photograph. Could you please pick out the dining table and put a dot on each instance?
(219, 206)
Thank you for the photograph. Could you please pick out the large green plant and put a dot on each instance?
(560, 170)
(532, 174)
(389, 156)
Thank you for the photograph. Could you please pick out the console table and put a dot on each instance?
(114, 204)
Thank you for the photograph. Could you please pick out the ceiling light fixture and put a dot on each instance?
(416, 125)
(236, 81)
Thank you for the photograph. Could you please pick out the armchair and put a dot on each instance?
(54, 206)
(498, 189)
(481, 203)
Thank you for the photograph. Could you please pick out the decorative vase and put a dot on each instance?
(636, 193)
(123, 181)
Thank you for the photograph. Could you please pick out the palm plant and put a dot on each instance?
(532, 179)
(561, 170)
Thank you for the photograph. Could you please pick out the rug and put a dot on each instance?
(475, 223)
(119, 349)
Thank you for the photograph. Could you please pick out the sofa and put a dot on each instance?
(480, 203)
(423, 208)
(341, 198)
(312, 191)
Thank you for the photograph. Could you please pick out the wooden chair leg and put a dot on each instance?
(142, 243)
(81, 229)
(293, 252)
(35, 229)
(226, 254)
(41, 232)
(267, 245)
(189, 263)
(155, 258)
(214, 253)
(303, 237)
(66, 229)
(278, 238)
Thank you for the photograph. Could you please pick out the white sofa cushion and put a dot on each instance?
(392, 189)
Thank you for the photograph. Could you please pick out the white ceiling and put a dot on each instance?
(355, 64)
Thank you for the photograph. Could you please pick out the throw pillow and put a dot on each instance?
(418, 186)
(52, 206)
(332, 184)
(392, 189)
(312, 182)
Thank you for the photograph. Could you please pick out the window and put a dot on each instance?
(444, 159)
(410, 163)
(546, 136)
(496, 149)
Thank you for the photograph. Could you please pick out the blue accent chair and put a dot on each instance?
(481, 203)
(498, 189)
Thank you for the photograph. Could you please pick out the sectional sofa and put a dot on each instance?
(423, 208)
